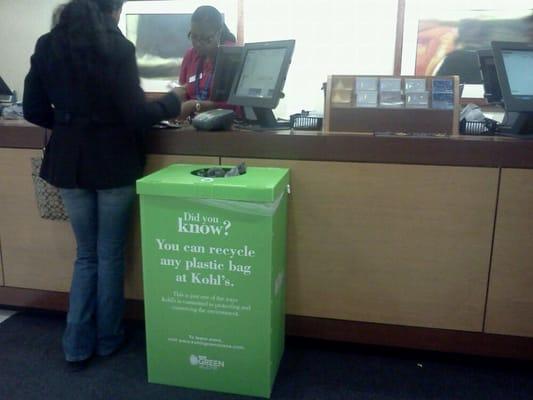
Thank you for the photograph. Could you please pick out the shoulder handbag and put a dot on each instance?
(49, 201)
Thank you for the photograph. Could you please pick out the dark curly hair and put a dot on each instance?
(82, 38)
(85, 22)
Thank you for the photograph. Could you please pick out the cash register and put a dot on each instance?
(506, 71)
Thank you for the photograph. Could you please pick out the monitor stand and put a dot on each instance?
(517, 124)
(264, 118)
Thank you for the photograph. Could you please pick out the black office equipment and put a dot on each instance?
(260, 79)
(487, 127)
(514, 63)
(226, 66)
(491, 85)
(5, 92)
(305, 122)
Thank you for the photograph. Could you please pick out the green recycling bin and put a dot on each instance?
(214, 255)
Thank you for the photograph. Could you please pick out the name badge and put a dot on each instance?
(192, 78)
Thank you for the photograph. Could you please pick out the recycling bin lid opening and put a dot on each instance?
(220, 172)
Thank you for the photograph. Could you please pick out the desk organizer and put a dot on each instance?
(416, 104)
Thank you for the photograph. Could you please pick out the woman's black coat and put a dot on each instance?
(94, 144)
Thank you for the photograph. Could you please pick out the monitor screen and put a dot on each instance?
(226, 66)
(262, 74)
(259, 81)
(519, 68)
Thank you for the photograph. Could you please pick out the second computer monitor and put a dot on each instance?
(260, 78)
(514, 63)
(491, 85)
(5, 92)
(226, 67)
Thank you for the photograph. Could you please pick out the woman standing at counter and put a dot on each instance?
(83, 84)
(208, 31)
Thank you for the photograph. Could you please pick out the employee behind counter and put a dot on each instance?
(208, 32)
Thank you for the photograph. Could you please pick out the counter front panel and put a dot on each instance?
(397, 244)
(510, 297)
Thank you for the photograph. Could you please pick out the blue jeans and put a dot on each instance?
(100, 220)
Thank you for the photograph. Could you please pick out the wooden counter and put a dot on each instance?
(470, 151)
(390, 238)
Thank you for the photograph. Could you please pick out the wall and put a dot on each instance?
(353, 37)
(21, 24)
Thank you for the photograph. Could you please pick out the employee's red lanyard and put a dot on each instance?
(201, 94)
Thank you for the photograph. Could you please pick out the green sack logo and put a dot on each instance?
(205, 363)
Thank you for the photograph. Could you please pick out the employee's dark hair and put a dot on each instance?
(82, 38)
(210, 17)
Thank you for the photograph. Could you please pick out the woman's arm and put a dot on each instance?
(36, 104)
(130, 98)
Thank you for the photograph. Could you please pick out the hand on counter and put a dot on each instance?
(190, 107)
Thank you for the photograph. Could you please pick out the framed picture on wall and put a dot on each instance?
(442, 38)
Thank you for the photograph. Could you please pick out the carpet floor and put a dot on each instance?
(32, 367)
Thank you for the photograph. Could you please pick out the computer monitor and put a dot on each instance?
(491, 85)
(226, 66)
(514, 63)
(260, 79)
(5, 93)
